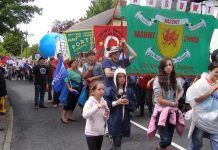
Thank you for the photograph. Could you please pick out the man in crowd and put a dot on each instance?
(40, 76)
(113, 62)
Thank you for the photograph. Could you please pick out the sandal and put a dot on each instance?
(65, 122)
(69, 119)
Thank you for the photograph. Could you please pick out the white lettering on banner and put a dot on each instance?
(166, 4)
(181, 5)
(151, 3)
(195, 8)
(58, 76)
(151, 53)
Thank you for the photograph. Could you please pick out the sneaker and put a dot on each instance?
(50, 101)
(36, 107)
(55, 106)
(43, 106)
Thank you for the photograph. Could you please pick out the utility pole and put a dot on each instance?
(24, 38)
(21, 46)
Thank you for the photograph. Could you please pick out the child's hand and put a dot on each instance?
(123, 101)
(101, 105)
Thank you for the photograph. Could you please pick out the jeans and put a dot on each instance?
(55, 98)
(94, 142)
(116, 143)
(39, 95)
(197, 137)
(166, 134)
(49, 91)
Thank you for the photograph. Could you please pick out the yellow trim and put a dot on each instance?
(77, 30)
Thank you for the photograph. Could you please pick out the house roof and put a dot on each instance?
(100, 19)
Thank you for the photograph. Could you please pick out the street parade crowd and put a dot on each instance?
(107, 95)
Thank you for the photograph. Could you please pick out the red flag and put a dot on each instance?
(4, 59)
(106, 37)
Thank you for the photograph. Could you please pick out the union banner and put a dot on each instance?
(107, 36)
(78, 41)
(157, 33)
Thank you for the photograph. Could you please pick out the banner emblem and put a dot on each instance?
(169, 39)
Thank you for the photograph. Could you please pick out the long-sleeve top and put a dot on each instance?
(175, 118)
(95, 119)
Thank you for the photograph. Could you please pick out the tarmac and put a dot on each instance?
(6, 122)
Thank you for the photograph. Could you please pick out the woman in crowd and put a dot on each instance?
(203, 97)
(167, 92)
(121, 101)
(92, 70)
(96, 112)
(73, 83)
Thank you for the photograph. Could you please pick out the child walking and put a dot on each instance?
(121, 101)
(96, 112)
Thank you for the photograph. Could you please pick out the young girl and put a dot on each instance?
(121, 101)
(166, 115)
(95, 112)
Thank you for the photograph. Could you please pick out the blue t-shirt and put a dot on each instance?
(108, 63)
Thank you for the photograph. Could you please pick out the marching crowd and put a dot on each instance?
(106, 94)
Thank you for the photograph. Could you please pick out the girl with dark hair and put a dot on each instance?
(203, 97)
(166, 115)
(121, 101)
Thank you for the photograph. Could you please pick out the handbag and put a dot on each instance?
(83, 96)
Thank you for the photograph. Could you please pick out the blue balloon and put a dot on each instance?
(47, 45)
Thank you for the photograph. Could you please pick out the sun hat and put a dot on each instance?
(114, 49)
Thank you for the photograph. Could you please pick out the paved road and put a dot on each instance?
(42, 130)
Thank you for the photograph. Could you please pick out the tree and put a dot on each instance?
(14, 42)
(3, 52)
(14, 12)
(30, 51)
(59, 26)
(98, 6)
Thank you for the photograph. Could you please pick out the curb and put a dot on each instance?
(8, 138)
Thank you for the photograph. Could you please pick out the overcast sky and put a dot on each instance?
(64, 10)
(53, 10)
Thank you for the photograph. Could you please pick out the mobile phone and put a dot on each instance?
(75, 92)
(124, 97)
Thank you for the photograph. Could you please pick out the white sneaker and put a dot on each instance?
(55, 106)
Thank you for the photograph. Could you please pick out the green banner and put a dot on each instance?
(78, 41)
(156, 33)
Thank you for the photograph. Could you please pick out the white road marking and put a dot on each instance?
(157, 135)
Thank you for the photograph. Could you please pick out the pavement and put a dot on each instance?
(6, 122)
